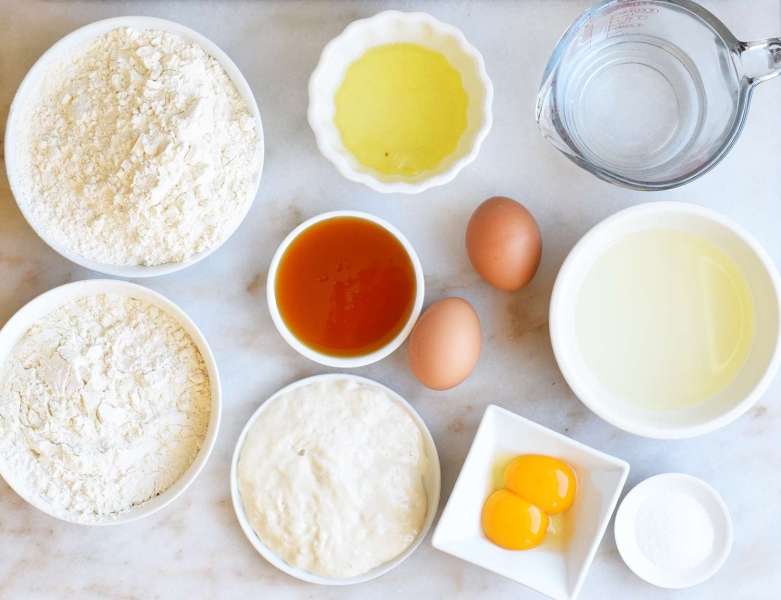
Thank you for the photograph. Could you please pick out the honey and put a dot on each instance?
(345, 287)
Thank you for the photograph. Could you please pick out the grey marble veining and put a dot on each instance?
(195, 548)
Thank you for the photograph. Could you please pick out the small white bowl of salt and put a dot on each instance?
(673, 530)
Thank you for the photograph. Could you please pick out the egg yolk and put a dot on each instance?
(512, 523)
(543, 481)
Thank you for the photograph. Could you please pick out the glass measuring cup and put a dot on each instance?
(650, 95)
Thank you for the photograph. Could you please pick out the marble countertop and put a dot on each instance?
(194, 548)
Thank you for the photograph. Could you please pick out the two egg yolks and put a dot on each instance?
(516, 518)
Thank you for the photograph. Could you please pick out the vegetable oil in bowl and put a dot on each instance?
(401, 109)
(664, 319)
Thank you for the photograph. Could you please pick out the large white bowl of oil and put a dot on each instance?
(665, 320)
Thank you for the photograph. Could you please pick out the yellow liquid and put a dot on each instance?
(401, 109)
(664, 319)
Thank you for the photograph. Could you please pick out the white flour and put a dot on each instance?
(139, 150)
(104, 404)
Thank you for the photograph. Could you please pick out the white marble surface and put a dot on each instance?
(194, 548)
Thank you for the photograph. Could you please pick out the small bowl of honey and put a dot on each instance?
(400, 102)
(345, 289)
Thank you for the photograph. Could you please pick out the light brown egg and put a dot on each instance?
(504, 243)
(445, 345)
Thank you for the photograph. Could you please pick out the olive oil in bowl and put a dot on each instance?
(401, 109)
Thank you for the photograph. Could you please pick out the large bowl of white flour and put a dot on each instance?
(134, 147)
(109, 402)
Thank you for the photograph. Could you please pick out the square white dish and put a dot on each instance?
(558, 574)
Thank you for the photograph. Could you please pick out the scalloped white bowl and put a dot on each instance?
(31, 87)
(390, 27)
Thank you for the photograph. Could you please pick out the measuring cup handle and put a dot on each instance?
(761, 59)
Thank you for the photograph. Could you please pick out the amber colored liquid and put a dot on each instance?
(345, 286)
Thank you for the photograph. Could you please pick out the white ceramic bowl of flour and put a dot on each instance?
(16, 328)
(432, 482)
(31, 89)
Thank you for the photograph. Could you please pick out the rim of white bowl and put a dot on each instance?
(433, 497)
(25, 317)
(624, 529)
(367, 179)
(344, 362)
(575, 377)
(66, 44)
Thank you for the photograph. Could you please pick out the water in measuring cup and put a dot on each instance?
(632, 105)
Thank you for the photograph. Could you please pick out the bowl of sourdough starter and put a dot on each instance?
(339, 458)
(110, 402)
(134, 147)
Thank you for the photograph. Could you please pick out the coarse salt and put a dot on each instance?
(674, 531)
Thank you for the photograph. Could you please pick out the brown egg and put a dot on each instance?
(504, 243)
(445, 344)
